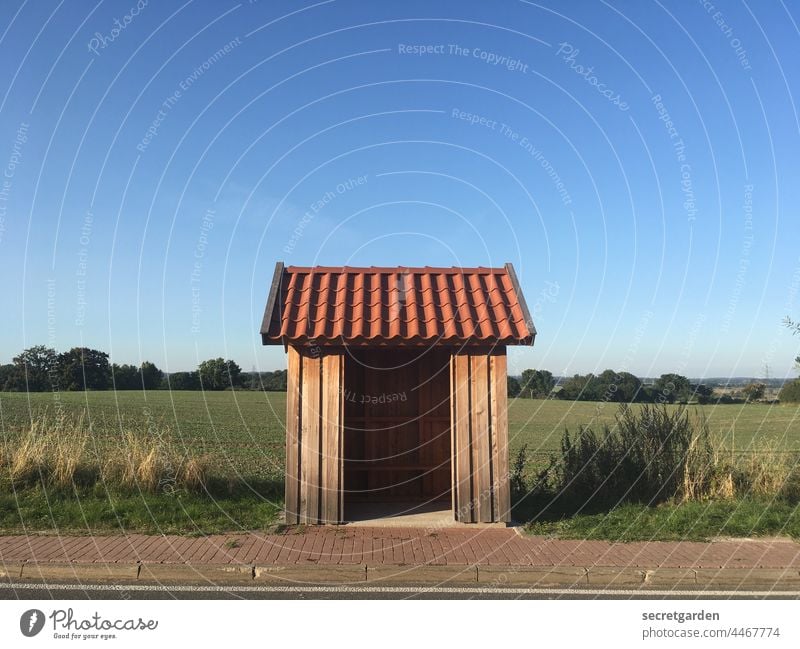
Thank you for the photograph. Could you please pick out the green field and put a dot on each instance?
(242, 435)
(243, 431)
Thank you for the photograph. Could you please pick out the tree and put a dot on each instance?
(218, 374)
(672, 387)
(125, 377)
(82, 368)
(621, 387)
(536, 383)
(512, 386)
(183, 381)
(151, 376)
(790, 392)
(754, 391)
(7, 373)
(703, 393)
(274, 381)
(630, 388)
(581, 387)
(129, 377)
(35, 370)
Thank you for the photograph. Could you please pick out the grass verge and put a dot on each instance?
(658, 474)
(58, 477)
(687, 521)
(35, 510)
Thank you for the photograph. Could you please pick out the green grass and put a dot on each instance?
(691, 521)
(244, 431)
(97, 511)
(243, 434)
(540, 423)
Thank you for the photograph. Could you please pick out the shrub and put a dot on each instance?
(790, 392)
(641, 458)
(659, 454)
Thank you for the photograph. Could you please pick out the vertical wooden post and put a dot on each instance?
(462, 443)
(310, 440)
(294, 380)
(499, 424)
(479, 423)
(332, 493)
(314, 437)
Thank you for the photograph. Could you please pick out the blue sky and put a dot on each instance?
(635, 161)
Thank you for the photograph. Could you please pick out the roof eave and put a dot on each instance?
(272, 304)
(522, 304)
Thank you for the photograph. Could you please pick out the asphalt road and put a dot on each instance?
(67, 591)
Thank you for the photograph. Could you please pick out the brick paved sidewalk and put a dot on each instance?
(393, 546)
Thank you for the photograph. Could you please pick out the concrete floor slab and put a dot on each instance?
(431, 516)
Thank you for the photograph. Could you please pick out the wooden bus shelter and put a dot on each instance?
(396, 387)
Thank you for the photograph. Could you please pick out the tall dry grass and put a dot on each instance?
(712, 471)
(61, 452)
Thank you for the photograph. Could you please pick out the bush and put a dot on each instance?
(790, 392)
(641, 459)
(658, 454)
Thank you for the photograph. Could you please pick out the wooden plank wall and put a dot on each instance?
(314, 434)
(479, 403)
(397, 421)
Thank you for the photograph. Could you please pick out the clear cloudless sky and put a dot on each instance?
(637, 162)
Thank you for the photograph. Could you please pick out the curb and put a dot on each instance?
(542, 576)
(79, 571)
(214, 573)
(318, 574)
(787, 579)
(427, 574)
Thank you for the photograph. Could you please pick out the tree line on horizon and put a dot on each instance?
(624, 387)
(43, 369)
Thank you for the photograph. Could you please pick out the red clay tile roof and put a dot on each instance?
(396, 306)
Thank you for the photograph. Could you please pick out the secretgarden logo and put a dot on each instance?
(31, 622)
